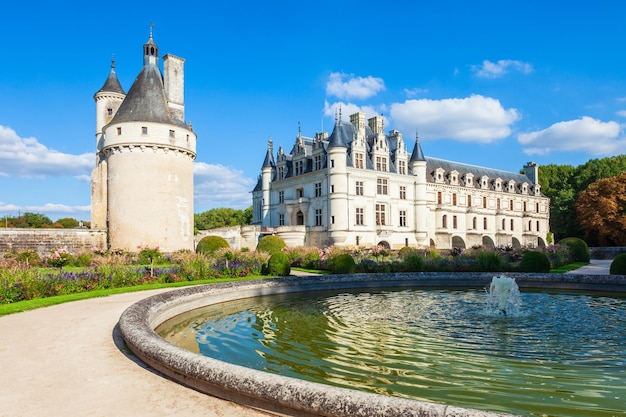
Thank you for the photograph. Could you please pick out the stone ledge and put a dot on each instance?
(289, 396)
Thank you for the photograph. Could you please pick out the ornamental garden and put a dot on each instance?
(27, 276)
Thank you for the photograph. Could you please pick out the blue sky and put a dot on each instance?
(489, 83)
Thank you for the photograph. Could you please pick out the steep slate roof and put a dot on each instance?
(112, 84)
(269, 159)
(146, 100)
(417, 155)
(433, 163)
(342, 135)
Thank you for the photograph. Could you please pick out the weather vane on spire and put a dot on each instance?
(151, 26)
(270, 144)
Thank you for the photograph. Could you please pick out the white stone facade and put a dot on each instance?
(360, 187)
(142, 186)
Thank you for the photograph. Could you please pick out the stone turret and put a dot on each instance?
(143, 182)
(417, 166)
(267, 174)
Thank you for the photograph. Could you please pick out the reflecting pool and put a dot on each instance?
(561, 354)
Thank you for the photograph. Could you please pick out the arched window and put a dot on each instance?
(300, 219)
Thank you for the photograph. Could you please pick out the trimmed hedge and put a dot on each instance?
(270, 244)
(618, 266)
(578, 248)
(407, 251)
(535, 262)
(342, 264)
(210, 244)
(279, 265)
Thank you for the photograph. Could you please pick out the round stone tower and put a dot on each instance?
(142, 186)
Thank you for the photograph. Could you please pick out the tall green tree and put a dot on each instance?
(556, 183)
(30, 220)
(68, 222)
(222, 217)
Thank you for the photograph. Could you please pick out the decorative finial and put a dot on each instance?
(299, 129)
(340, 113)
(151, 26)
(112, 61)
(270, 144)
(417, 139)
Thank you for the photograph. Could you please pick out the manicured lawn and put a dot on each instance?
(569, 267)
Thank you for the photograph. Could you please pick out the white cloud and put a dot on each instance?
(621, 113)
(332, 109)
(472, 119)
(348, 86)
(218, 186)
(586, 134)
(414, 92)
(497, 69)
(52, 210)
(26, 157)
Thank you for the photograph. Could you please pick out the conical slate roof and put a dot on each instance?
(269, 159)
(342, 135)
(145, 100)
(417, 155)
(112, 84)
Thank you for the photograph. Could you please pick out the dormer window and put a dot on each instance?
(358, 160)
(525, 188)
(511, 186)
(381, 163)
(440, 175)
(484, 182)
(498, 184)
(454, 178)
(469, 180)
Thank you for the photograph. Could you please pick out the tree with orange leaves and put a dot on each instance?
(601, 211)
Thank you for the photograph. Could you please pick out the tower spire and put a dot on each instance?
(150, 50)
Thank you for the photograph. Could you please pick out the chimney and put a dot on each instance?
(174, 82)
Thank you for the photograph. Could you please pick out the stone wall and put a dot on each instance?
(237, 236)
(44, 241)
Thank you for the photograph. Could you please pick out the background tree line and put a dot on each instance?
(222, 217)
(39, 221)
(588, 201)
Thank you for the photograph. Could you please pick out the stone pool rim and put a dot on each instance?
(291, 396)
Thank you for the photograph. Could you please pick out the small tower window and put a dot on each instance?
(144, 130)
(119, 130)
(172, 134)
(110, 112)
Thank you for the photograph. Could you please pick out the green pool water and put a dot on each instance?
(562, 354)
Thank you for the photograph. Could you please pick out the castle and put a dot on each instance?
(142, 185)
(360, 186)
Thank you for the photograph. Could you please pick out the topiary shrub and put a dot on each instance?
(406, 251)
(578, 248)
(210, 244)
(535, 262)
(414, 263)
(278, 265)
(270, 244)
(342, 264)
(618, 266)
